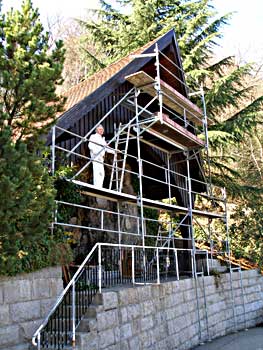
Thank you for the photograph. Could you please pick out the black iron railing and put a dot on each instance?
(106, 266)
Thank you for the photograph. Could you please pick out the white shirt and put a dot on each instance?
(97, 146)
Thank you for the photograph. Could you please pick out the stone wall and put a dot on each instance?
(165, 316)
(24, 302)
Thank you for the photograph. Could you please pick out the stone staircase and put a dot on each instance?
(86, 326)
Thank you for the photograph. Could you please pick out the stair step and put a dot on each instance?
(91, 311)
(86, 325)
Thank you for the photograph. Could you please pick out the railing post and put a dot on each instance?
(38, 341)
(192, 263)
(158, 266)
(53, 150)
(176, 265)
(73, 314)
(133, 267)
(100, 271)
(207, 264)
(102, 220)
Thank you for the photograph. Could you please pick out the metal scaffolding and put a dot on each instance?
(178, 127)
(168, 128)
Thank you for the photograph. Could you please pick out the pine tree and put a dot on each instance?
(229, 88)
(29, 73)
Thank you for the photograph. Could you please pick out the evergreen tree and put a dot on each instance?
(29, 72)
(229, 88)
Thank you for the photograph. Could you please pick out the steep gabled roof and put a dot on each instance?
(78, 92)
(84, 96)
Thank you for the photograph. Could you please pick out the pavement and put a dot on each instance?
(252, 339)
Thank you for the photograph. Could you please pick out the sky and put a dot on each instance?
(242, 37)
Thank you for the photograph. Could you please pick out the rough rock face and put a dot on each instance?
(103, 214)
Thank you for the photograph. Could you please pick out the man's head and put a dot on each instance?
(100, 130)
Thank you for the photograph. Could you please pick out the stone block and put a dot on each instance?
(40, 289)
(176, 287)
(134, 294)
(250, 273)
(146, 339)
(252, 306)
(123, 314)
(56, 287)
(16, 291)
(147, 323)
(161, 345)
(159, 304)
(21, 346)
(124, 345)
(110, 300)
(29, 310)
(123, 297)
(107, 319)
(171, 327)
(106, 338)
(147, 307)
(168, 287)
(1, 293)
(187, 284)
(125, 331)
(4, 315)
(162, 290)
(210, 289)
(9, 335)
(134, 343)
(171, 313)
(144, 293)
(27, 329)
(189, 295)
(134, 311)
(46, 305)
(172, 342)
(48, 272)
(155, 291)
(136, 326)
(117, 347)
(117, 334)
(160, 332)
(87, 341)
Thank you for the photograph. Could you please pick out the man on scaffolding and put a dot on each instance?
(98, 146)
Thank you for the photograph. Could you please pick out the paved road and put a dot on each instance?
(245, 340)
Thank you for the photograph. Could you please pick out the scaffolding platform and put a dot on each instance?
(116, 196)
(171, 98)
(166, 129)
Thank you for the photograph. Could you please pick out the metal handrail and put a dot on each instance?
(60, 298)
(148, 275)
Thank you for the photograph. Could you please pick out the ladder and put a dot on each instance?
(234, 305)
(166, 255)
(119, 165)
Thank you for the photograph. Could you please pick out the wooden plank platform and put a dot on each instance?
(112, 195)
(170, 131)
(171, 98)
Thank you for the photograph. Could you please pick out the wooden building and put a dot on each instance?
(147, 91)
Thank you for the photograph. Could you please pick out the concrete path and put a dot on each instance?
(244, 340)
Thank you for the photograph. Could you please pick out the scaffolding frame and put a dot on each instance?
(141, 126)
(143, 122)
